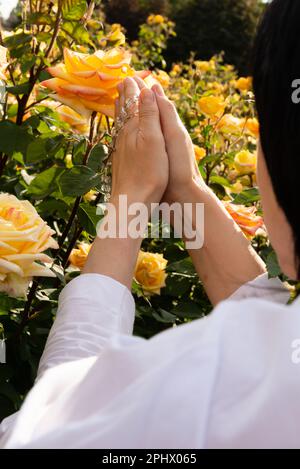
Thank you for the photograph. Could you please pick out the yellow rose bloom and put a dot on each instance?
(212, 106)
(176, 69)
(24, 237)
(205, 65)
(229, 124)
(88, 83)
(150, 272)
(3, 63)
(251, 126)
(90, 196)
(158, 19)
(244, 84)
(79, 255)
(75, 120)
(200, 153)
(245, 162)
(115, 35)
(163, 78)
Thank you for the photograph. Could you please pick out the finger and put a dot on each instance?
(117, 107)
(148, 113)
(121, 90)
(131, 91)
(169, 118)
(140, 82)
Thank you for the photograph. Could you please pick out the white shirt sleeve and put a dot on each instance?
(92, 309)
(227, 380)
(264, 288)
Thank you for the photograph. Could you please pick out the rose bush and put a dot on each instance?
(52, 157)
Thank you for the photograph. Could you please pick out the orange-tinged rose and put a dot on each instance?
(244, 83)
(229, 124)
(212, 106)
(72, 118)
(3, 62)
(245, 162)
(150, 272)
(200, 153)
(88, 83)
(245, 217)
(79, 255)
(24, 237)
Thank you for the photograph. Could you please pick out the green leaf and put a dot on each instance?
(177, 285)
(74, 9)
(220, 180)
(44, 183)
(13, 138)
(188, 310)
(164, 316)
(273, 265)
(96, 158)
(79, 151)
(77, 181)
(36, 151)
(185, 266)
(88, 218)
(76, 31)
(23, 88)
(246, 197)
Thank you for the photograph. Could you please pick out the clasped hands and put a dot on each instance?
(154, 157)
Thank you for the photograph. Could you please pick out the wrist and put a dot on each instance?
(194, 191)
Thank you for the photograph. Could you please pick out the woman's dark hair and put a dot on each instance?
(276, 67)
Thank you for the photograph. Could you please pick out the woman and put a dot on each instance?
(100, 387)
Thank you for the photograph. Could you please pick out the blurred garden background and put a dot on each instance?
(60, 63)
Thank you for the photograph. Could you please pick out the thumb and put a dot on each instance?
(148, 112)
(169, 118)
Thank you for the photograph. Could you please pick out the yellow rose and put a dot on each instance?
(251, 126)
(88, 83)
(78, 256)
(3, 63)
(69, 161)
(244, 84)
(116, 36)
(204, 65)
(158, 19)
(90, 196)
(229, 124)
(236, 188)
(24, 237)
(163, 78)
(245, 162)
(176, 69)
(216, 87)
(74, 119)
(212, 106)
(150, 272)
(200, 153)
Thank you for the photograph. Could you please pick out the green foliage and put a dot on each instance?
(209, 27)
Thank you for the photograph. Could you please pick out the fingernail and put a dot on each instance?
(158, 90)
(128, 81)
(147, 96)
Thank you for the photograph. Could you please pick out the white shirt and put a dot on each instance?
(226, 381)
